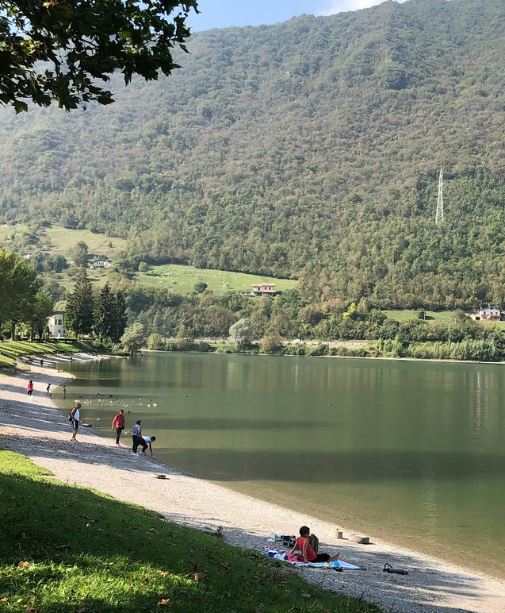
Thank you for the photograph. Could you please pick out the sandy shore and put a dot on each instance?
(32, 426)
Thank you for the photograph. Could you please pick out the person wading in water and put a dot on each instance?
(118, 424)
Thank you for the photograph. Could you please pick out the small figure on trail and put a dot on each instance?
(137, 439)
(306, 548)
(148, 440)
(64, 392)
(74, 418)
(42, 362)
(29, 388)
(118, 424)
(48, 389)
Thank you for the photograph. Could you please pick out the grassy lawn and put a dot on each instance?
(407, 315)
(182, 279)
(176, 278)
(72, 550)
(11, 350)
(62, 240)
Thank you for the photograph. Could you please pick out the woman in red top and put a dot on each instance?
(29, 388)
(303, 551)
(118, 424)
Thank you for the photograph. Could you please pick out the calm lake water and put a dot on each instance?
(409, 452)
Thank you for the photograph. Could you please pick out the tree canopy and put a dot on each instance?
(61, 49)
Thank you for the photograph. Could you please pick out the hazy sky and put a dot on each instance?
(223, 13)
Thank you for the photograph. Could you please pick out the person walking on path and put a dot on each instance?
(137, 437)
(48, 389)
(29, 388)
(118, 424)
(75, 418)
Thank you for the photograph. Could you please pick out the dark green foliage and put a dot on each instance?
(22, 299)
(80, 254)
(120, 316)
(104, 313)
(310, 148)
(80, 44)
(80, 305)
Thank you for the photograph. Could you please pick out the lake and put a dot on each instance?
(410, 452)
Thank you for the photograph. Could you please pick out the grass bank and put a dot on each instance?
(10, 351)
(70, 549)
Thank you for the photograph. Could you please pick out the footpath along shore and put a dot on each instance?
(33, 426)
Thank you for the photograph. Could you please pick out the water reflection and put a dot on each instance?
(412, 452)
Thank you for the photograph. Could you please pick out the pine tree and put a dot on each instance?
(80, 305)
(120, 317)
(105, 314)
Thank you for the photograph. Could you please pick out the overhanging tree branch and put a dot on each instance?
(57, 50)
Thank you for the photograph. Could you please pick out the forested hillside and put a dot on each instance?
(310, 148)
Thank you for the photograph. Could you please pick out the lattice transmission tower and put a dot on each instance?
(439, 216)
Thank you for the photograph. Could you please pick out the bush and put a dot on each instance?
(294, 349)
(200, 287)
(228, 347)
(155, 341)
(203, 347)
(271, 344)
(318, 350)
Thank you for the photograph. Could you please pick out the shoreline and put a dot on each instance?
(331, 357)
(35, 427)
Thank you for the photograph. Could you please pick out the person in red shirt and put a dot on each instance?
(29, 388)
(118, 424)
(303, 550)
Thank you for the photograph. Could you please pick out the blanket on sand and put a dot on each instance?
(334, 564)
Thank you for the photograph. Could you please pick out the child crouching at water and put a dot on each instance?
(305, 549)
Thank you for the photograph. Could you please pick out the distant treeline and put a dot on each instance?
(272, 324)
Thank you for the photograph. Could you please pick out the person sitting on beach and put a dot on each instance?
(75, 418)
(29, 388)
(305, 549)
(148, 440)
(118, 424)
(137, 439)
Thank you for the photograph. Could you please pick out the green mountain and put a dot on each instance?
(310, 148)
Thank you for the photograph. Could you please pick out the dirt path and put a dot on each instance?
(32, 426)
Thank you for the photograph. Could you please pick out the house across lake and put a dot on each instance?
(487, 314)
(264, 289)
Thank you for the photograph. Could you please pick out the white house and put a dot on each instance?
(56, 324)
(99, 262)
(487, 314)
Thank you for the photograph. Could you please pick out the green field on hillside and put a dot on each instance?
(84, 552)
(63, 240)
(182, 279)
(409, 314)
(403, 315)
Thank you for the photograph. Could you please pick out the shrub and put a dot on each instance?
(155, 341)
(318, 350)
(271, 344)
(294, 349)
(183, 344)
